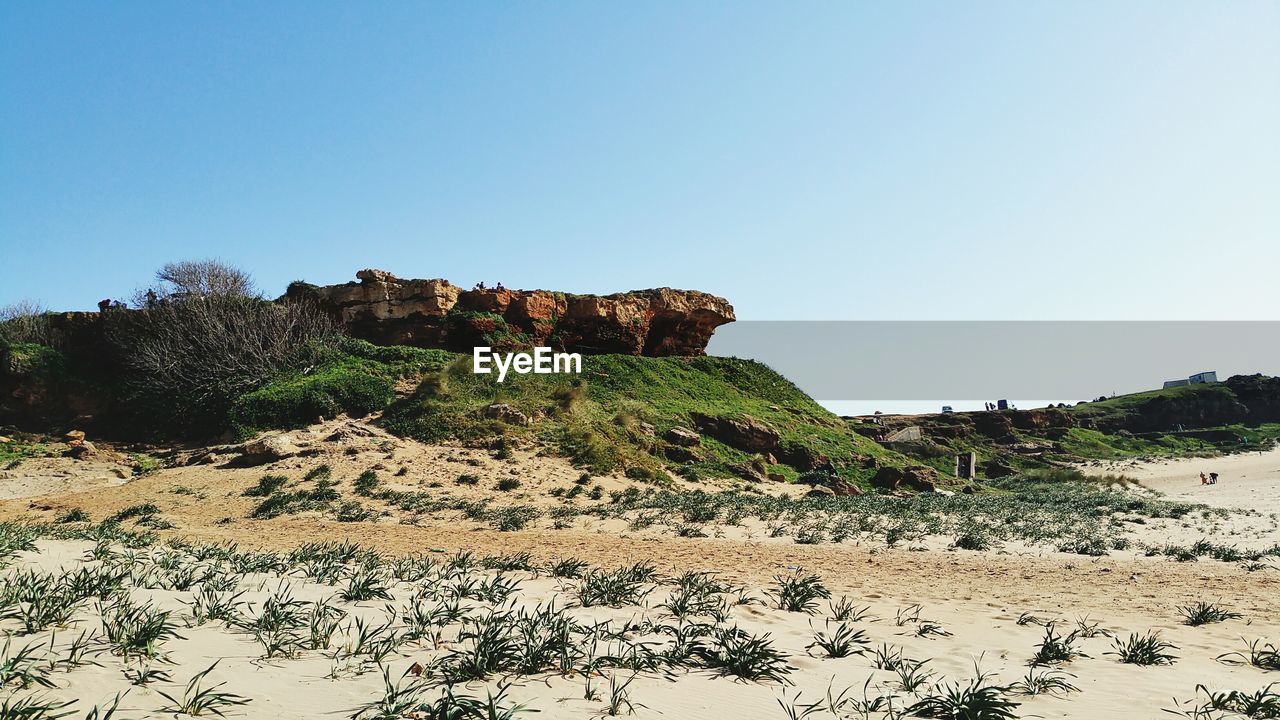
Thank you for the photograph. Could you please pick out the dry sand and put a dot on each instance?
(976, 596)
(1246, 481)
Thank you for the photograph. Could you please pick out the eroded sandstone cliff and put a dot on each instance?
(389, 310)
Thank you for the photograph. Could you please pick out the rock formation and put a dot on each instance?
(388, 310)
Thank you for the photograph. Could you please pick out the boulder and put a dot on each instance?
(680, 454)
(919, 478)
(682, 436)
(504, 413)
(81, 449)
(744, 433)
(270, 448)
(804, 458)
(996, 468)
(74, 436)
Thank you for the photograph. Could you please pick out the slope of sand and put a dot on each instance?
(975, 596)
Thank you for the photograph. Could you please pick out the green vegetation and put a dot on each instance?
(1121, 409)
(615, 416)
(463, 619)
(356, 378)
(1193, 420)
(1203, 613)
(202, 353)
(267, 485)
(14, 451)
(1146, 649)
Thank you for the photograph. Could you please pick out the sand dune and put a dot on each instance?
(975, 597)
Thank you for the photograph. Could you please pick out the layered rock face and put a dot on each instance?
(388, 310)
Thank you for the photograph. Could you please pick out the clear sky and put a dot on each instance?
(940, 160)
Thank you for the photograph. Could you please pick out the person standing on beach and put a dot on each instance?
(1213, 478)
(1204, 479)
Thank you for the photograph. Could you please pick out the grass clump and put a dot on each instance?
(979, 700)
(799, 593)
(1055, 648)
(733, 651)
(842, 641)
(73, 515)
(1203, 613)
(135, 511)
(1146, 649)
(319, 472)
(1259, 654)
(288, 503)
(267, 485)
(366, 483)
(198, 700)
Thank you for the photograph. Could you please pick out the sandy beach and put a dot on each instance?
(1247, 481)
(942, 608)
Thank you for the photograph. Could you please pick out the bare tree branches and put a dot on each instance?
(189, 358)
(196, 279)
(25, 321)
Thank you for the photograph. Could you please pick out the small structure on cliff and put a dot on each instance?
(389, 310)
(1201, 378)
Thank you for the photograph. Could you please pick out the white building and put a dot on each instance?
(1210, 376)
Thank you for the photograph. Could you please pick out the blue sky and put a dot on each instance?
(845, 160)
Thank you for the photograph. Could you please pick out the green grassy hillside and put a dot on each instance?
(612, 417)
(1242, 413)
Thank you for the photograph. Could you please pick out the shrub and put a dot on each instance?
(186, 360)
(299, 400)
(24, 322)
(508, 484)
(972, 539)
(196, 279)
